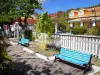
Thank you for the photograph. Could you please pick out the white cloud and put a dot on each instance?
(42, 1)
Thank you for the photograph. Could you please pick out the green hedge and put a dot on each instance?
(28, 34)
(94, 31)
(79, 30)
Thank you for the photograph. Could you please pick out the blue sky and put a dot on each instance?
(53, 6)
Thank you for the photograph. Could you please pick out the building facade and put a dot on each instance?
(85, 17)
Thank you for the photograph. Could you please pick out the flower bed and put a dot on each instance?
(46, 52)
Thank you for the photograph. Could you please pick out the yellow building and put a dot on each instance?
(85, 17)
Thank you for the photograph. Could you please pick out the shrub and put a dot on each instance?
(50, 46)
(33, 39)
(53, 46)
(79, 30)
(82, 30)
(68, 29)
(4, 58)
(94, 31)
(20, 36)
(28, 34)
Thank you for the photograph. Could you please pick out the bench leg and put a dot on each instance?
(18, 43)
(27, 44)
(55, 59)
(87, 68)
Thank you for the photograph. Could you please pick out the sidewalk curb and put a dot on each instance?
(95, 69)
(50, 58)
(41, 56)
(12, 43)
(28, 50)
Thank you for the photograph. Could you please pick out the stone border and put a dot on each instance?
(12, 43)
(28, 50)
(39, 55)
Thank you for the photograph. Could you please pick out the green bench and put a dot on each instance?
(24, 41)
(75, 57)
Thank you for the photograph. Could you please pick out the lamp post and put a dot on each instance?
(56, 28)
(94, 12)
(81, 23)
(71, 25)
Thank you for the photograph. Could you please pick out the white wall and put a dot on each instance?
(80, 12)
(71, 14)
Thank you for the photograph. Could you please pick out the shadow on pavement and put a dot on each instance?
(41, 68)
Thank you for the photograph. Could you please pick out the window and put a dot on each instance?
(81, 12)
(71, 14)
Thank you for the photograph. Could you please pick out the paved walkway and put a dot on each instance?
(28, 64)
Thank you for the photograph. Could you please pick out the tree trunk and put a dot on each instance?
(25, 22)
(20, 24)
(3, 29)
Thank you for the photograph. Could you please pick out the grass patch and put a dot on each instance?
(95, 61)
(97, 73)
(48, 52)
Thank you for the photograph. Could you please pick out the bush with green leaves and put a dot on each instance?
(44, 25)
(28, 34)
(69, 29)
(33, 38)
(79, 30)
(94, 31)
(4, 58)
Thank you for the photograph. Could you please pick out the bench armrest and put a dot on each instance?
(55, 54)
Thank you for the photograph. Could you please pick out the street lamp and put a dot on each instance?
(56, 27)
(81, 23)
(71, 25)
(94, 21)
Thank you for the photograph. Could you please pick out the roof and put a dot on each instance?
(29, 20)
(53, 15)
(95, 11)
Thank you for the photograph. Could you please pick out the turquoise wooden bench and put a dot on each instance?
(75, 57)
(24, 41)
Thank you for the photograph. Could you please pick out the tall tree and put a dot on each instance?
(14, 9)
(10, 9)
(24, 8)
(61, 20)
(44, 24)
